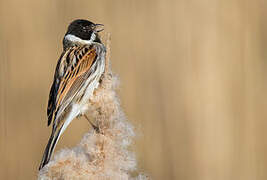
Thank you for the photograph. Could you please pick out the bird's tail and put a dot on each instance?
(50, 146)
(56, 133)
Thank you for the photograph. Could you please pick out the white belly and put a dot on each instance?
(92, 83)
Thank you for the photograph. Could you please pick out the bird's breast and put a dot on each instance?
(91, 85)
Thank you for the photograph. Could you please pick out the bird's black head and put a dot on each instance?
(82, 32)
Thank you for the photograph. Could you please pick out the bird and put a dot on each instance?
(77, 75)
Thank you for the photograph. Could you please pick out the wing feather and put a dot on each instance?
(66, 87)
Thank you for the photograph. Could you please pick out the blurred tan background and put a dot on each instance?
(194, 83)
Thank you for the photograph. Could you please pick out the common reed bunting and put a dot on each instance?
(77, 75)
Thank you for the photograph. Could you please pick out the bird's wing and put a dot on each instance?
(73, 68)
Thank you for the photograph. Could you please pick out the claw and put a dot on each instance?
(96, 128)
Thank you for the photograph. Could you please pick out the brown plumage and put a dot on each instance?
(77, 75)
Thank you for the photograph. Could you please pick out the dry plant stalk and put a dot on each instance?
(102, 155)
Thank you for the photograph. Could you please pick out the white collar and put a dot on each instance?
(75, 39)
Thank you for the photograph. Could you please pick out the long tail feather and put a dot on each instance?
(56, 133)
(50, 147)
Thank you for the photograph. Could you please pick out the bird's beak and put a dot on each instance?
(99, 27)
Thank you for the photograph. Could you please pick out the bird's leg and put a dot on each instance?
(96, 128)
